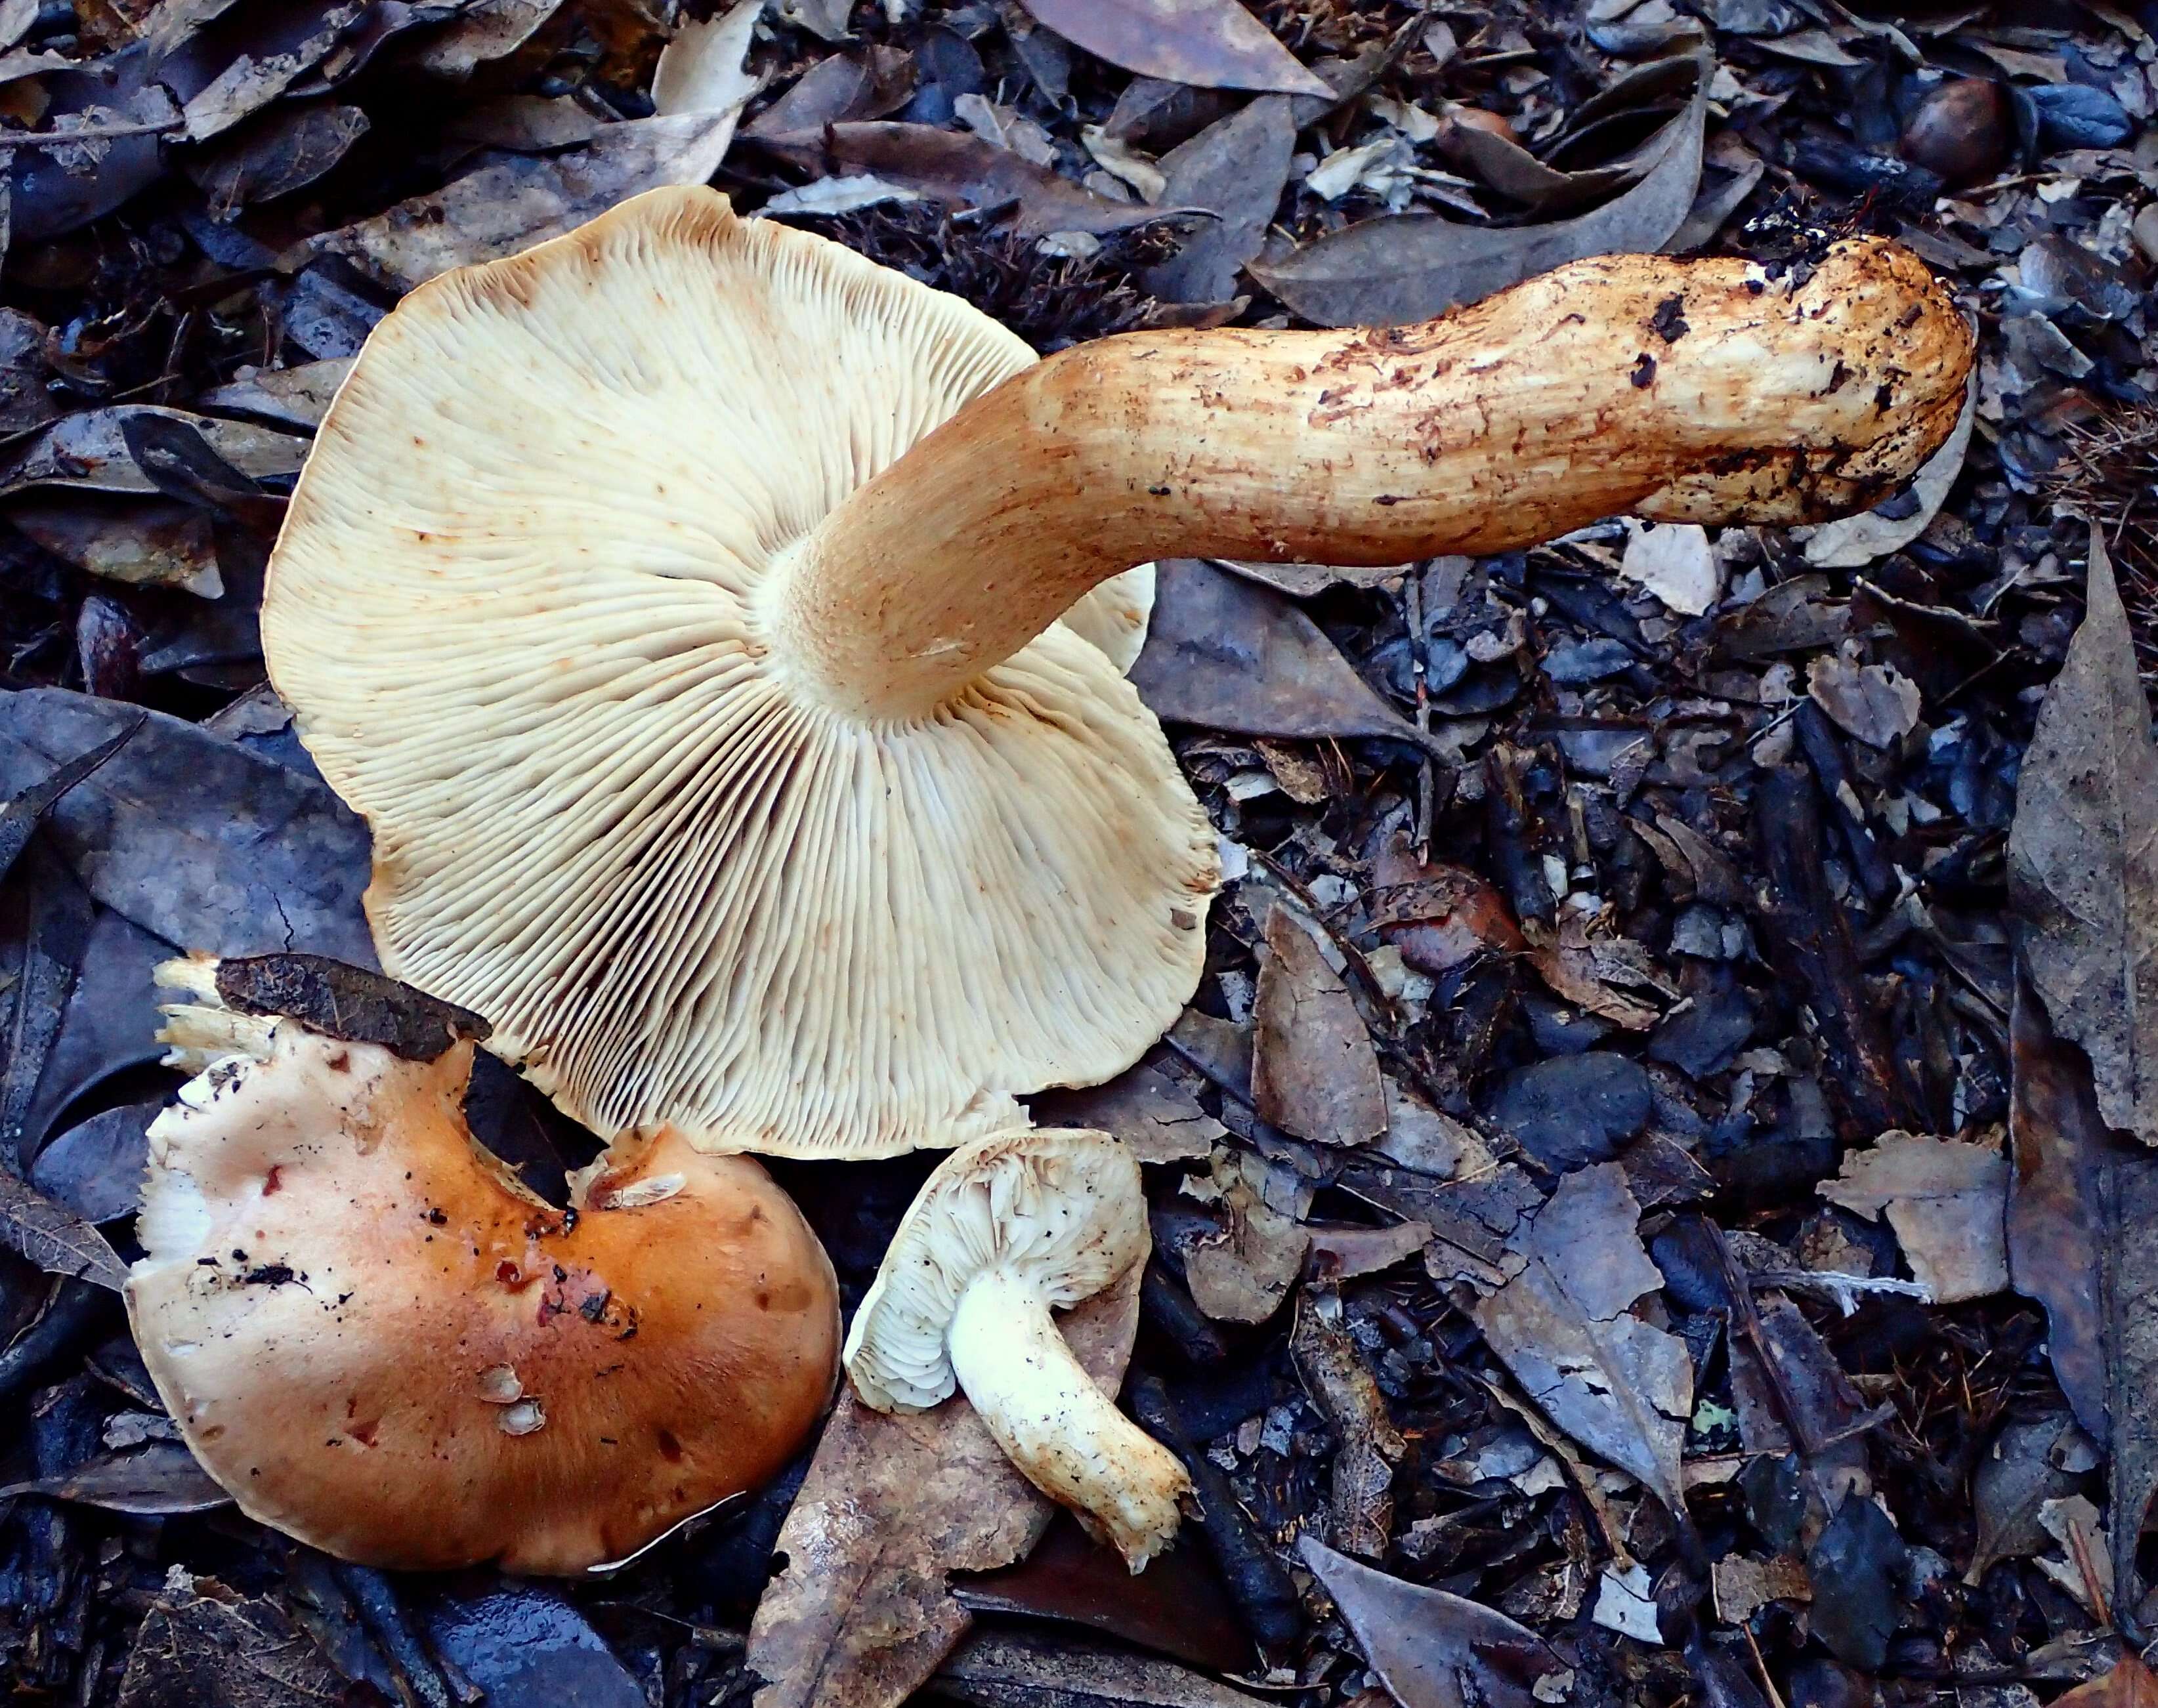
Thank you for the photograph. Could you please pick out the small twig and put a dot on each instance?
(62, 139)
(1413, 590)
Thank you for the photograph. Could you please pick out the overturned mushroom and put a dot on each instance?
(679, 602)
(1008, 1230)
(378, 1341)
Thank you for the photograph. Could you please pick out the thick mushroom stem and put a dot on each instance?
(1701, 391)
(1064, 1434)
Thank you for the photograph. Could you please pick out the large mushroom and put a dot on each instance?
(679, 602)
(380, 1341)
(1007, 1231)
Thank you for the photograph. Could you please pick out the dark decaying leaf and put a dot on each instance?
(961, 170)
(863, 83)
(355, 1004)
(192, 837)
(150, 542)
(2083, 858)
(1808, 935)
(205, 1644)
(1856, 1564)
(527, 1646)
(1569, 1111)
(1313, 1072)
(1208, 44)
(1411, 267)
(1617, 1385)
(51, 932)
(2128, 1684)
(483, 32)
(1227, 654)
(159, 1479)
(512, 201)
(282, 151)
(107, 1022)
(2082, 1241)
(1430, 1648)
(230, 71)
(54, 190)
(54, 1237)
(95, 1168)
(19, 818)
(1150, 1112)
(91, 449)
(1235, 168)
(2031, 1460)
(1176, 1607)
(862, 1615)
(1031, 1669)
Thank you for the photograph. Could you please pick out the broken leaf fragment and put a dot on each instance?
(1564, 1326)
(1946, 1198)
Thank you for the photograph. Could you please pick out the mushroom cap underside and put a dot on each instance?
(377, 1342)
(1060, 1207)
(517, 607)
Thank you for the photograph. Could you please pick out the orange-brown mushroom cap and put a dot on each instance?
(379, 1342)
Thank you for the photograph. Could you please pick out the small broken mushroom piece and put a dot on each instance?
(1008, 1230)
(692, 608)
(378, 1341)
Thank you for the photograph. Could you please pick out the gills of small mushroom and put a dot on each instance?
(378, 1341)
(693, 608)
(1007, 1231)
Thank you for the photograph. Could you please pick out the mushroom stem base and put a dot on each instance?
(1064, 1434)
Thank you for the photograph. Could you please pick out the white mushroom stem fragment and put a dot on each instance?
(1009, 1229)
(1698, 391)
(1064, 1434)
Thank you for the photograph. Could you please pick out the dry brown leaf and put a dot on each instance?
(1675, 561)
(1227, 654)
(1313, 1072)
(515, 201)
(961, 170)
(1206, 43)
(1594, 973)
(2082, 1241)
(1149, 1111)
(2083, 858)
(1875, 702)
(704, 68)
(2129, 1685)
(1244, 1276)
(1235, 168)
(1439, 916)
(1411, 266)
(1433, 1649)
(1946, 1198)
(862, 1615)
(1564, 1325)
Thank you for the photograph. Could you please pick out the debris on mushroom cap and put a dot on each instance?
(1006, 1230)
(603, 815)
(719, 736)
(378, 1341)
